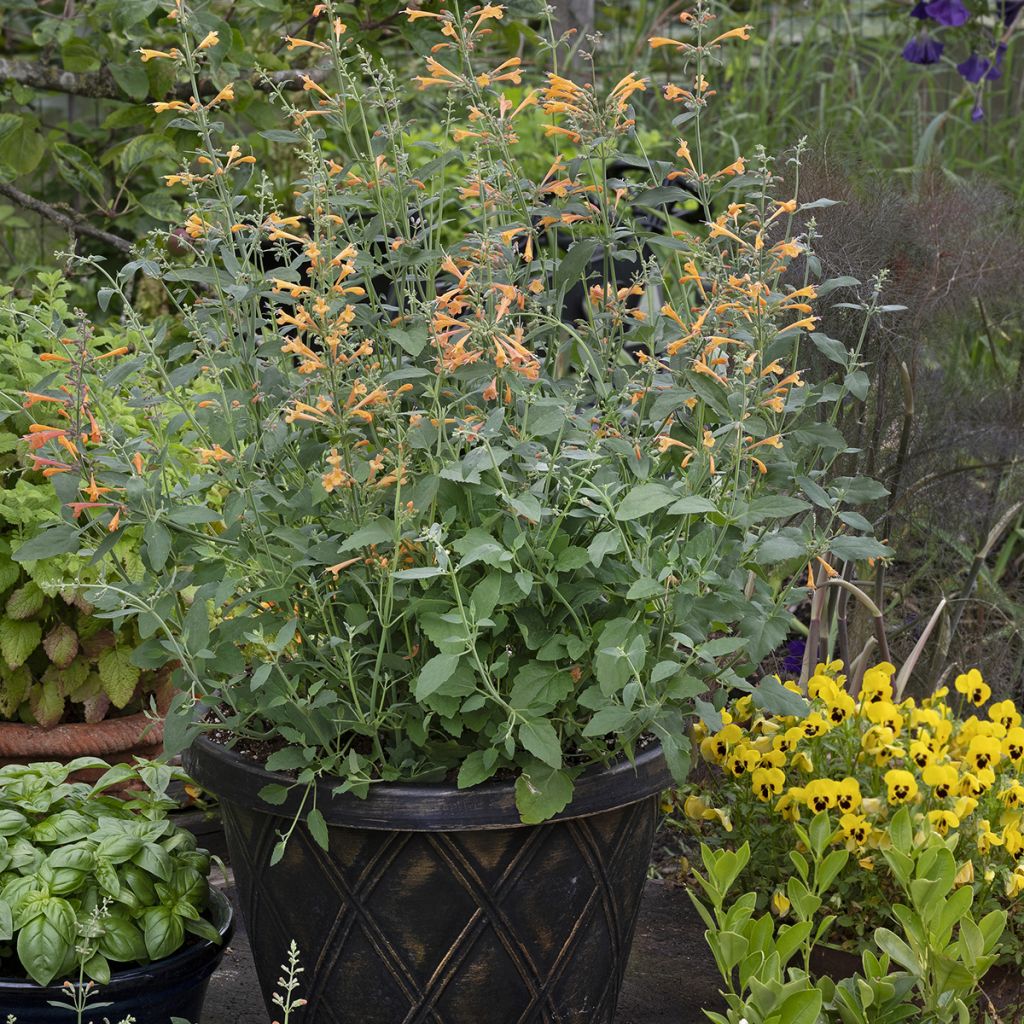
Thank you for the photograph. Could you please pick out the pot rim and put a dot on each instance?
(109, 736)
(190, 960)
(421, 807)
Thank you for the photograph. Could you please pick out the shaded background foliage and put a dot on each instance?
(925, 194)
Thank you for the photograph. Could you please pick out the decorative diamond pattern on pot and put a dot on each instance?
(503, 926)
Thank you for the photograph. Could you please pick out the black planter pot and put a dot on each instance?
(153, 994)
(437, 906)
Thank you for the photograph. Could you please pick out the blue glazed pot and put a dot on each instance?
(152, 994)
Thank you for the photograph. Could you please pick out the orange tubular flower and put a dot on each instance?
(148, 55)
(743, 32)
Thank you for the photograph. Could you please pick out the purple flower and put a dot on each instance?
(1010, 9)
(976, 68)
(922, 49)
(978, 113)
(794, 660)
(950, 13)
(920, 9)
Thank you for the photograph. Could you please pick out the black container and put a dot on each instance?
(153, 994)
(435, 905)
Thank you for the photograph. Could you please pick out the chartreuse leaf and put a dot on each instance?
(118, 675)
(18, 640)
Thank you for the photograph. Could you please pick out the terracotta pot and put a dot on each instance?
(115, 740)
(435, 905)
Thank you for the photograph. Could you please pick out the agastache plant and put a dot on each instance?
(403, 516)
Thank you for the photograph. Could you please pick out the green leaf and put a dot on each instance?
(644, 499)
(25, 602)
(779, 547)
(318, 828)
(853, 548)
(18, 640)
(6, 922)
(412, 339)
(118, 675)
(58, 540)
(44, 945)
(541, 794)
(163, 930)
(435, 673)
(607, 543)
(889, 942)
(46, 703)
(78, 55)
(771, 696)
(859, 489)
(691, 505)
(538, 736)
(157, 540)
(575, 262)
(479, 766)
(801, 1007)
(381, 531)
(61, 645)
(121, 940)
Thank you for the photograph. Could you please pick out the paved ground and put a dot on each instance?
(670, 976)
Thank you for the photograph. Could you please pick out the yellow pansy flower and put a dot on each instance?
(1013, 744)
(965, 807)
(821, 794)
(716, 746)
(815, 725)
(901, 786)
(741, 760)
(789, 804)
(1012, 795)
(965, 876)
(943, 821)
(856, 828)
(848, 795)
(941, 779)
(921, 753)
(984, 752)
(973, 687)
(780, 903)
(1015, 882)
(839, 709)
(987, 839)
(803, 762)
(1005, 713)
(976, 783)
(876, 685)
(1013, 840)
(767, 782)
(885, 713)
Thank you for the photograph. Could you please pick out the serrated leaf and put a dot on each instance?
(61, 645)
(26, 601)
(118, 675)
(18, 640)
(47, 703)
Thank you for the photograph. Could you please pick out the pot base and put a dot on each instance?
(504, 926)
